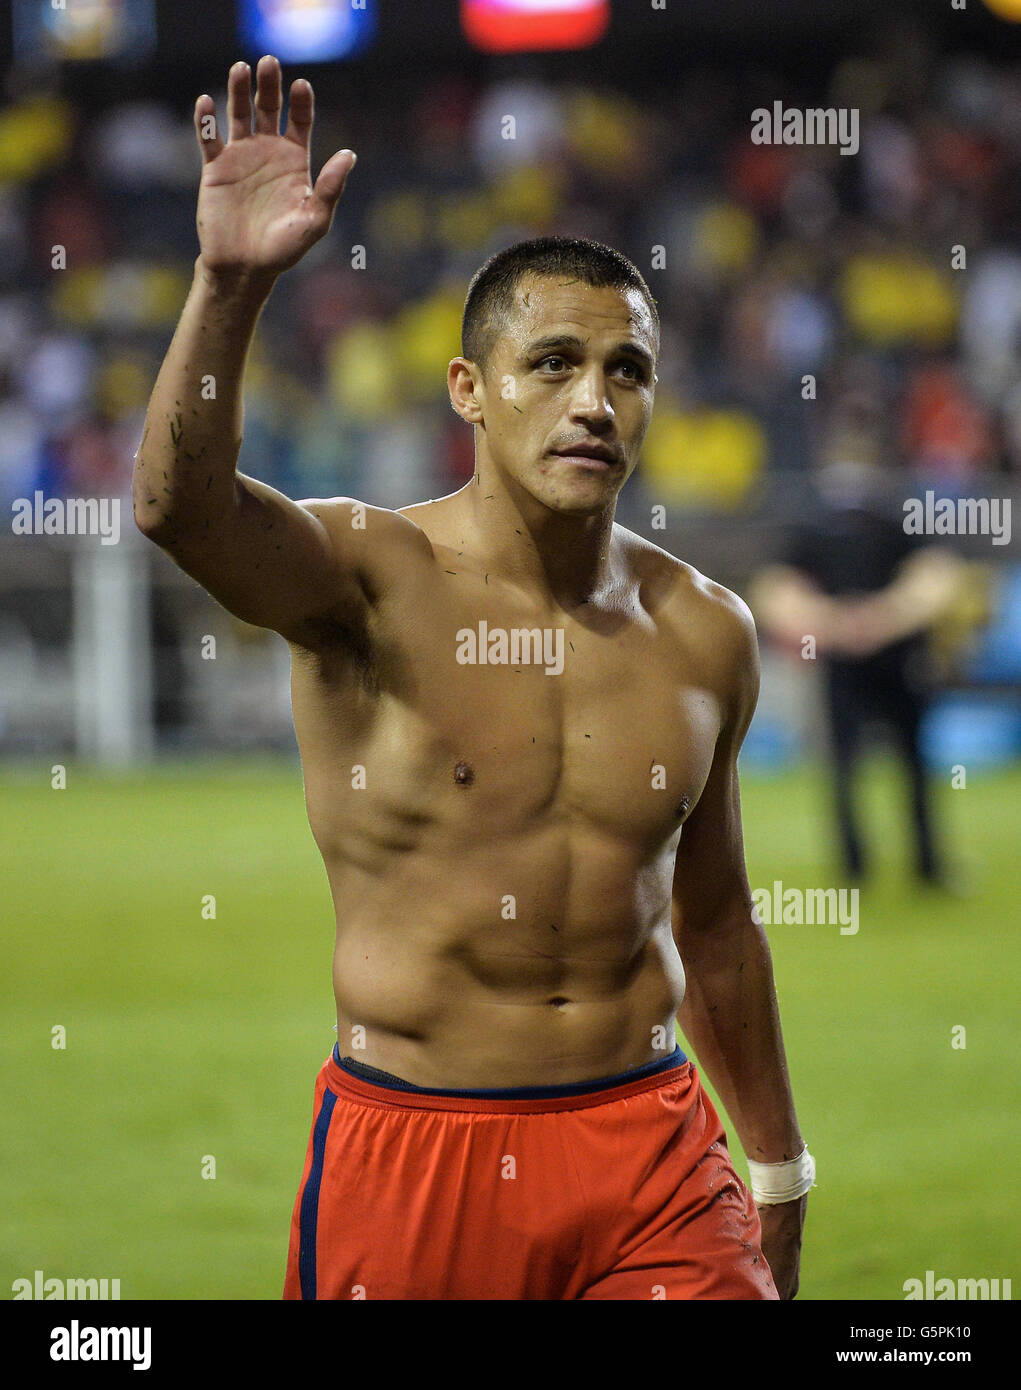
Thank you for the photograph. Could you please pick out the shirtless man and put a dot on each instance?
(523, 842)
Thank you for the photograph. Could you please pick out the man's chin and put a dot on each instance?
(582, 489)
(594, 492)
(574, 501)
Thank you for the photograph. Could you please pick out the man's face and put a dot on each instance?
(571, 373)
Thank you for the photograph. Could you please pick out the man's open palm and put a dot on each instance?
(258, 210)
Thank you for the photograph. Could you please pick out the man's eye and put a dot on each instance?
(547, 360)
(639, 375)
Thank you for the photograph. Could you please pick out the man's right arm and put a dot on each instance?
(271, 561)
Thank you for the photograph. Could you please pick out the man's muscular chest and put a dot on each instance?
(605, 733)
(493, 717)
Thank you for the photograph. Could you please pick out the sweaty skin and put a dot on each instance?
(502, 869)
(521, 853)
(511, 926)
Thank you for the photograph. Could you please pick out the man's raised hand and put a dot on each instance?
(258, 211)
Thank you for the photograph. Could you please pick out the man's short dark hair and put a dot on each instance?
(490, 297)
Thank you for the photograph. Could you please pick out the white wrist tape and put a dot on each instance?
(773, 1183)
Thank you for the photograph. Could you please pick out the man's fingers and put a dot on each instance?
(268, 97)
(300, 113)
(239, 102)
(205, 128)
(333, 177)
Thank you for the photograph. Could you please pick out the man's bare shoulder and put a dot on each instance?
(712, 626)
(350, 514)
(380, 541)
(674, 591)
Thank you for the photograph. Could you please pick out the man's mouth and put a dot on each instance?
(589, 454)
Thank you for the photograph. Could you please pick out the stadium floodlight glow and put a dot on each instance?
(1005, 9)
(84, 30)
(520, 26)
(306, 31)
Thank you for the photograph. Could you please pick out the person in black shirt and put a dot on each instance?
(867, 594)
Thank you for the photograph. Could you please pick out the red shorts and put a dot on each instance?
(621, 1191)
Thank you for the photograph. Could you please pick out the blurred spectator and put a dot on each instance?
(769, 264)
(860, 595)
(947, 435)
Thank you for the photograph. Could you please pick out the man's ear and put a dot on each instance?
(464, 384)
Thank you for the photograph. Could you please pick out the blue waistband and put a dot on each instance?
(579, 1088)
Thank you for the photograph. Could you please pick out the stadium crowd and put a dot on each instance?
(892, 278)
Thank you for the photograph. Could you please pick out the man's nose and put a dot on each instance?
(591, 399)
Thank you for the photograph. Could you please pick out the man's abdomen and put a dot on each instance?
(533, 964)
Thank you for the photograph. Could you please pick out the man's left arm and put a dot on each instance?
(729, 1014)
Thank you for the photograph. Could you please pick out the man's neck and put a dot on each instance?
(560, 557)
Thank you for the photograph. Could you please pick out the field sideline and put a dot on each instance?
(188, 1038)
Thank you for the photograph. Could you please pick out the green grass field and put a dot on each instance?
(188, 1037)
